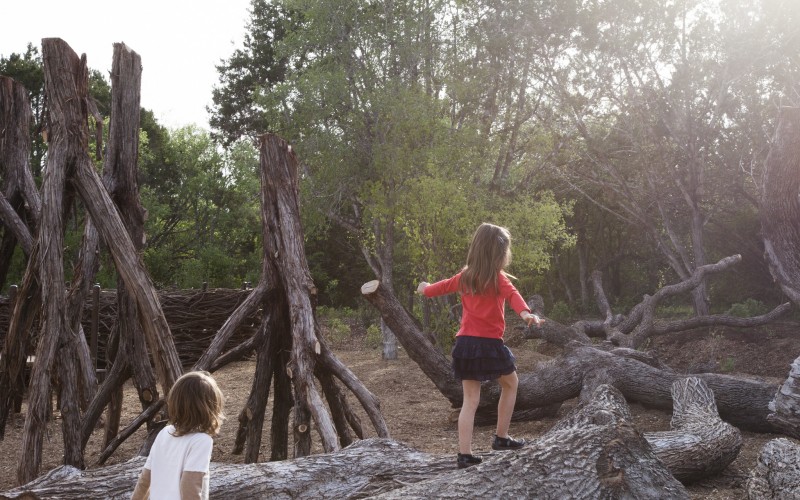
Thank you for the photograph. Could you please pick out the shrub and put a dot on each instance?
(561, 312)
(338, 330)
(727, 365)
(748, 308)
(374, 338)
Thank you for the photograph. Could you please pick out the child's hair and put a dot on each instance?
(195, 404)
(489, 252)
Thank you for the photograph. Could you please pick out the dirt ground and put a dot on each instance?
(417, 414)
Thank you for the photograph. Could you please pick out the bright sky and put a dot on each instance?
(180, 43)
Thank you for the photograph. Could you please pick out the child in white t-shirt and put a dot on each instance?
(177, 466)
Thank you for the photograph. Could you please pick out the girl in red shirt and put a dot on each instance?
(479, 353)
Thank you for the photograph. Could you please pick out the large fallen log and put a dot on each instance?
(741, 401)
(594, 452)
(777, 473)
(700, 444)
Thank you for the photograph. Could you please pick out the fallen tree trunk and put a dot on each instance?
(777, 473)
(594, 452)
(700, 444)
(741, 401)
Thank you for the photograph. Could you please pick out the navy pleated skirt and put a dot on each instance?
(479, 358)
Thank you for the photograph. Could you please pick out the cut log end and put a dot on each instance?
(369, 287)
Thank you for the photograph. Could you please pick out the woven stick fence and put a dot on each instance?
(194, 316)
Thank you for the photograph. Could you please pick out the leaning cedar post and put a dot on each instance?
(279, 200)
(66, 85)
(20, 206)
(120, 181)
(429, 358)
(780, 213)
(276, 337)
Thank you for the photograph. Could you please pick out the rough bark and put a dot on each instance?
(21, 200)
(594, 452)
(288, 297)
(70, 170)
(251, 417)
(700, 443)
(120, 181)
(410, 334)
(777, 473)
(17, 342)
(780, 213)
(66, 83)
(20, 208)
(279, 177)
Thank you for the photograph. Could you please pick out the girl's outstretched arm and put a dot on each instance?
(529, 318)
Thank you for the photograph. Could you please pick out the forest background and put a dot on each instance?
(624, 136)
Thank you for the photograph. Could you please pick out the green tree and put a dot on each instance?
(255, 68)
(203, 221)
(655, 98)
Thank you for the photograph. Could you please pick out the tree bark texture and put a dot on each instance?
(66, 84)
(20, 209)
(120, 181)
(777, 472)
(21, 201)
(780, 226)
(594, 452)
(279, 181)
(700, 443)
(287, 297)
(410, 334)
(60, 344)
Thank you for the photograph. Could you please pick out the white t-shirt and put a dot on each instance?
(171, 455)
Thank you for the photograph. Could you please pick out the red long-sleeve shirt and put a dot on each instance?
(483, 315)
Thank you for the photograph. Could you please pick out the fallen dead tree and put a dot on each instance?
(700, 443)
(741, 401)
(640, 324)
(593, 452)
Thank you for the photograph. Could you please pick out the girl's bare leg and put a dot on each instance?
(505, 407)
(466, 418)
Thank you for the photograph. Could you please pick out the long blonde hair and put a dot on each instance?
(489, 252)
(195, 404)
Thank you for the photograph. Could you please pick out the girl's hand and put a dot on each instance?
(421, 287)
(530, 318)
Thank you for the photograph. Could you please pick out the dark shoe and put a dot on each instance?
(508, 443)
(465, 460)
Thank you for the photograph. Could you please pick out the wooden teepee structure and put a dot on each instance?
(291, 354)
